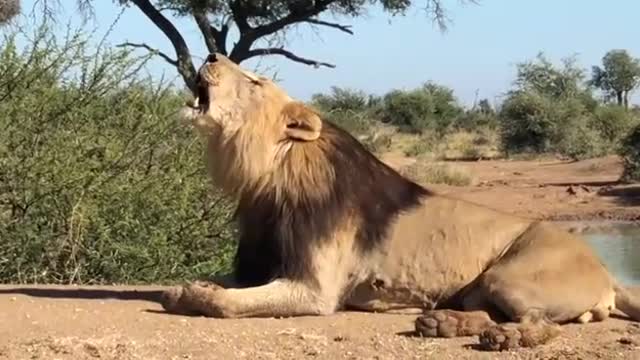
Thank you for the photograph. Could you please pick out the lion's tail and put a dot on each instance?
(627, 303)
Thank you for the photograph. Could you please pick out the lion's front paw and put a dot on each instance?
(191, 299)
(170, 299)
(205, 298)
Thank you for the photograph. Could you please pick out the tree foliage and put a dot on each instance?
(429, 107)
(99, 182)
(542, 77)
(618, 76)
(262, 25)
(349, 108)
(342, 99)
(630, 153)
(551, 109)
(8, 10)
(613, 122)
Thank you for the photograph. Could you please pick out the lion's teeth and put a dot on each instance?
(193, 104)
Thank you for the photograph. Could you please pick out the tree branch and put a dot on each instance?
(249, 35)
(240, 16)
(216, 40)
(293, 17)
(288, 54)
(184, 63)
(221, 37)
(151, 50)
(436, 8)
(169, 8)
(344, 28)
(208, 31)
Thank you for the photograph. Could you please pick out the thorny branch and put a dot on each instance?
(289, 55)
(344, 28)
(151, 50)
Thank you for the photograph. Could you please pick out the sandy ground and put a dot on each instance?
(55, 322)
(552, 189)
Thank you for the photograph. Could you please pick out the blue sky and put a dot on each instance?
(478, 52)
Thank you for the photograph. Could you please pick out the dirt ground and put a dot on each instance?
(71, 322)
(552, 189)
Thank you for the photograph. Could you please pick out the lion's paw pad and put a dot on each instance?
(500, 337)
(439, 323)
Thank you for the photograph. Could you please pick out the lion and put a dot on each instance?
(326, 226)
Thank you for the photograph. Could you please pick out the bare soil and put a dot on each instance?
(551, 189)
(115, 322)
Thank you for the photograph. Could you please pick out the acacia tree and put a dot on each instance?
(542, 77)
(257, 22)
(619, 75)
(8, 10)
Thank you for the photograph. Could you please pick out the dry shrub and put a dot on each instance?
(426, 172)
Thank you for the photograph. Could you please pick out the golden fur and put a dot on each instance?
(325, 226)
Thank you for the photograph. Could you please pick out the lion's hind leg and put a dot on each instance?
(530, 330)
(547, 278)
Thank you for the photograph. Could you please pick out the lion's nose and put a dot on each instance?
(211, 58)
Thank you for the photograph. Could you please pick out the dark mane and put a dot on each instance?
(277, 237)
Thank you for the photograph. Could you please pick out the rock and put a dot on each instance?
(628, 341)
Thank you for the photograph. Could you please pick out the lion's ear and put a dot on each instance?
(301, 122)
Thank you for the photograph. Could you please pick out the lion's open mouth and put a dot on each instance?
(203, 98)
(201, 102)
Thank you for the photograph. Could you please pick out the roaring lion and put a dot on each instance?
(325, 225)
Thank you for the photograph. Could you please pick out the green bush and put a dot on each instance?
(525, 125)
(350, 109)
(430, 107)
(473, 120)
(530, 122)
(581, 142)
(355, 122)
(552, 110)
(572, 134)
(445, 104)
(630, 153)
(99, 182)
(341, 99)
(613, 122)
(411, 111)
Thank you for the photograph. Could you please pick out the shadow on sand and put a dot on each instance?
(624, 195)
(153, 296)
(88, 294)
